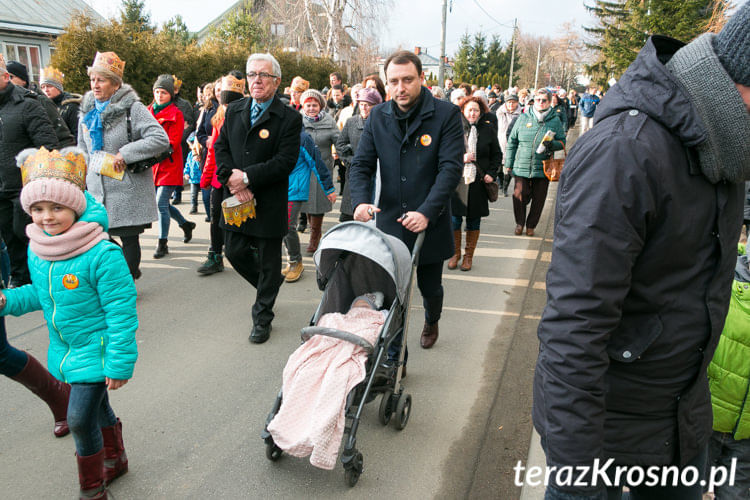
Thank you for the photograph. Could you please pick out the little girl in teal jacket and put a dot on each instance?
(81, 282)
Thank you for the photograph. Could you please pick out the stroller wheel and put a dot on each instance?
(273, 452)
(403, 410)
(352, 473)
(386, 407)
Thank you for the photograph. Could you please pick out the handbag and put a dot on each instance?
(492, 191)
(139, 166)
(553, 167)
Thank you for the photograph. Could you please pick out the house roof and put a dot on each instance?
(427, 59)
(41, 16)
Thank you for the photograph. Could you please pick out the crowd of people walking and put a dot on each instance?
(412, 159)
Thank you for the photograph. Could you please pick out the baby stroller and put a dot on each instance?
(352, 259)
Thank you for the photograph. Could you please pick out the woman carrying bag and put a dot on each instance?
(481, 163)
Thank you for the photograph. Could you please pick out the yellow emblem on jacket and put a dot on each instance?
(426, 140)
(529, 125)
(70, 281)
(264, 134)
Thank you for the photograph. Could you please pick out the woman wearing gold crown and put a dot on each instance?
(82, 283)
(105, 112)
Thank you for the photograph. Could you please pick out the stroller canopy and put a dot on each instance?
(388, 252)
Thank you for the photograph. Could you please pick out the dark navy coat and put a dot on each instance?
(267, 152)
(640, 280)
(418, 171)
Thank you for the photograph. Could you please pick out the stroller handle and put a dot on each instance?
(309, 331)
(417, 249)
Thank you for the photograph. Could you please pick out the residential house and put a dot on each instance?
(28, 29)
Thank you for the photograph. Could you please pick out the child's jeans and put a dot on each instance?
(88, 412)
(194, 190)
(291, 240)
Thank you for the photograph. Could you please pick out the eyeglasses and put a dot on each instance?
(265, 76)
(537, 99)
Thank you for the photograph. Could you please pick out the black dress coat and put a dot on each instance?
(267, 152)
(489, 159)
(418, 170)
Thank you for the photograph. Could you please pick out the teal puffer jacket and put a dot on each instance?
(89, 305)
(527, 134)
(729, 371)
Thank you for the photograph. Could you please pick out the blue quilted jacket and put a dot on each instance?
(89, 305)
(309, 159)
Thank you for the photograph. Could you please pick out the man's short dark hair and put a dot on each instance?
(338, 87)
(337, 75)
(404, 57)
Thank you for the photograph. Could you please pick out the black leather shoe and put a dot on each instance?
(260, 333)
(429, 335)
(187, 228)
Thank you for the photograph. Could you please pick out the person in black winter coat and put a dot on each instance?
(471, 201)
(20, 77)
(257, 149)
(648, 215)
(418, 142)
(23, 124)
(68, 105)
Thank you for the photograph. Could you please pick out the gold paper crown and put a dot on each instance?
(52, 164)
(177, 84)
(110, 62)
(232, 84)
(50, 74)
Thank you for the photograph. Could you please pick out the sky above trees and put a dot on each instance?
(411, 23)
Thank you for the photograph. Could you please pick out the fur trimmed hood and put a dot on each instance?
(121, 101)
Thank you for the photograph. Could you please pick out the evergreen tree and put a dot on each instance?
(461, 60)
(176, 30)
(134, 16)
(623, 26)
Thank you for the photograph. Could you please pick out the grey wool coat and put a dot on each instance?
(325, 133)
(131, 201)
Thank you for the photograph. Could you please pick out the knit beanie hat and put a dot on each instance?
(313, 94)
(165, 82)
(53, 176)
(299, 84)
(368, 95)
(19, 70)
(52, 76)
(732, 46)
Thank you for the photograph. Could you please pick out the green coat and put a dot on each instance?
(729, 371)
(524, 139)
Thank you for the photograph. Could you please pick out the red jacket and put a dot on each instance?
(169, 172)
(209, 168)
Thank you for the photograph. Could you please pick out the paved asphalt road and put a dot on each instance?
(194, 410)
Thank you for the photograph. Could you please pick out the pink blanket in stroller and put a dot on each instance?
(316, 381)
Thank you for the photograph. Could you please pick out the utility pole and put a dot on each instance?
(441, 68)
(512, 52)
(538, 57)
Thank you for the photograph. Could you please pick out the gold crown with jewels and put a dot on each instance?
(46, 164)
(177, 84)
(232, 84)
(109, 61)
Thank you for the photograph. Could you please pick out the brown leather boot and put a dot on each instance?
(316, 223)
(295, 272)
(115, 458)
(471, 243)
(429, 335)
(38, 380)
(91, 476)
(453, 261)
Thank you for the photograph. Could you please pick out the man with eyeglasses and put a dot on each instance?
(256, 151)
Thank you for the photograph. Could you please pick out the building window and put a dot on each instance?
(28, 55)
(277, 29)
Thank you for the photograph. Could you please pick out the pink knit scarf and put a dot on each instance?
(79, 238)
